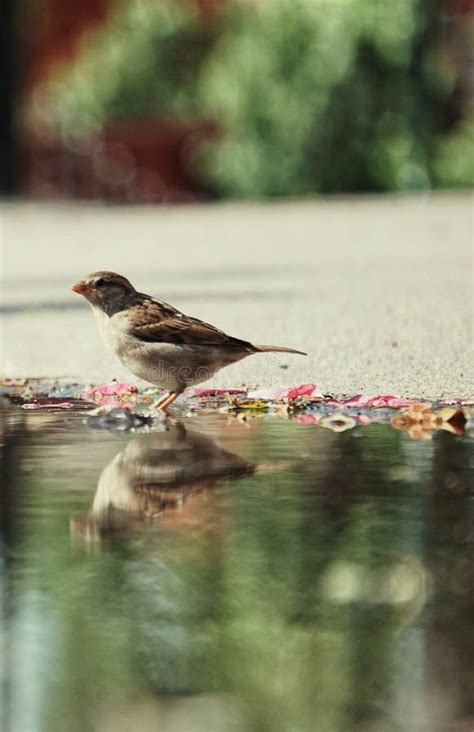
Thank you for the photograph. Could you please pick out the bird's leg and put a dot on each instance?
(166, 403)
(163, 403)
(160, 401)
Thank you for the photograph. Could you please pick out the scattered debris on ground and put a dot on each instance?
(122, 406)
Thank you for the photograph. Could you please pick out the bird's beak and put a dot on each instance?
(82, 288)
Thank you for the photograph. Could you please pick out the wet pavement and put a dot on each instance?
(237, 571)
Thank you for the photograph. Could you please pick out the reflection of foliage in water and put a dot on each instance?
(310, 96)
(449, 556)
(295, 598)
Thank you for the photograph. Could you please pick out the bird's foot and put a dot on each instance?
(164, 402)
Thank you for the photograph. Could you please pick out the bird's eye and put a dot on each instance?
(100, 282)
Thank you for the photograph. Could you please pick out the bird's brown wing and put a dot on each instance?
(156, 322)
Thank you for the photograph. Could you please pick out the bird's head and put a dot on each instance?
(108, 291)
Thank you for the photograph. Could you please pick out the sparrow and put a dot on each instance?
(157, 342)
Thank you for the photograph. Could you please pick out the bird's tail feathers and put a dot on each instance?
(279, 349)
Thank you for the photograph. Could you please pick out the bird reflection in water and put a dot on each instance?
(158, 475)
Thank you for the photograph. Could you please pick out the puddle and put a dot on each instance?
(224, 574)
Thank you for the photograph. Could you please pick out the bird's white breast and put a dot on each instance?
(113, 330)
(165, 364)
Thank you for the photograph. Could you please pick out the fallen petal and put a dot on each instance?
(366, 400)
(291, 392)
(303, 390)
(116, 388)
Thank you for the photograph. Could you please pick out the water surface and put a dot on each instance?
(228, 575)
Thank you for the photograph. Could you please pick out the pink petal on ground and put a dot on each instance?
(303, 390)
(116, 388)
(396, 402)
(291, 392)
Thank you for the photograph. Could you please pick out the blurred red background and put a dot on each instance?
(158, 150)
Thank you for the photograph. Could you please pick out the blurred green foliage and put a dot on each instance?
(309, 95)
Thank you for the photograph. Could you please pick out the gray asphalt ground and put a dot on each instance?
(378, 291)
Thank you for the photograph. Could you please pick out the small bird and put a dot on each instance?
(156, 341)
